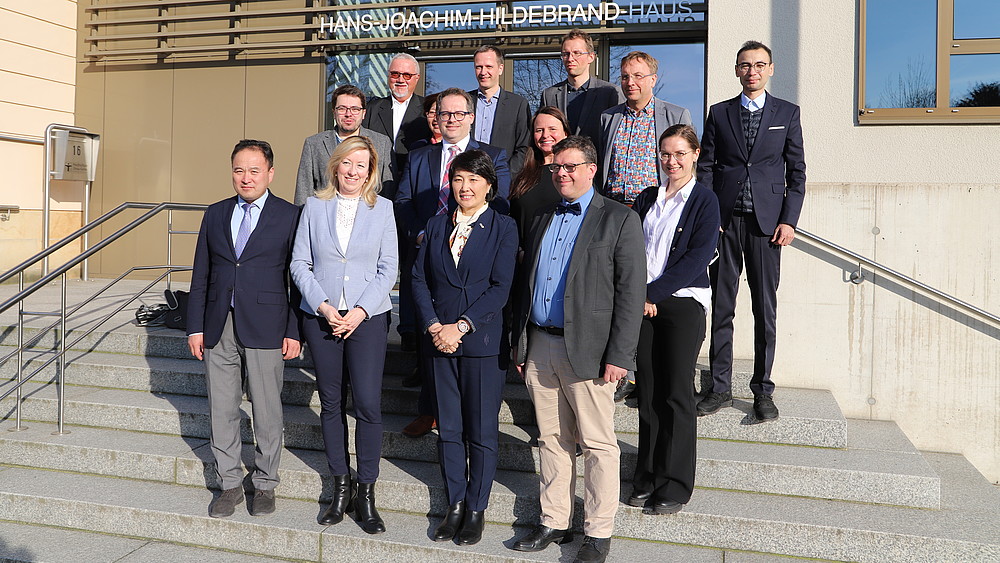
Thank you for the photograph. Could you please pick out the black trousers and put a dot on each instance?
(744, 242)
(668, 429)
(362, 359)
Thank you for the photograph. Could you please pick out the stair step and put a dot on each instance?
(178, 514)
(865, 475)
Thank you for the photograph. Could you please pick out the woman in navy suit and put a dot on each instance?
(680, 223)
(461, 281)
(344, 262)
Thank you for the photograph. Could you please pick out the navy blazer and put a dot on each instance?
(511, 129)
(776, 166)
(477, 289)
(262, 314)
(417, 198)
(693, 245)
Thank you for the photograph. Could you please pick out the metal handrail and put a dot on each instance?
(858, 277)
(62, 272)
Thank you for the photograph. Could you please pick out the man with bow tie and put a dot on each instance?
(576, 330)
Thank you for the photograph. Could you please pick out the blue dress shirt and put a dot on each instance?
(237, 217)
(486, 109)
(554, 255)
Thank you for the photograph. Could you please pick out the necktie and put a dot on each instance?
(563, 207)
(243, 235)
(445, 192)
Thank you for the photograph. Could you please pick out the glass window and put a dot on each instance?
(680, 76)
(531, 76)
(900, 53)
(975, 80)
(458, 74)
(977, 19)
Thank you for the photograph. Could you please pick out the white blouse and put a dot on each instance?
(347, 210)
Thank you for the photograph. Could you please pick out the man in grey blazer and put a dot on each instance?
(348, 112)
(581, 97)
(576, 329)
(629, 161)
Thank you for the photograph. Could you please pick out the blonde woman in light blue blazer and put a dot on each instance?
(344, 262)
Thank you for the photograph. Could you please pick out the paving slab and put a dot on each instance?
(22, 543)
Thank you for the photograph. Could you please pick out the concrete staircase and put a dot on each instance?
(131, 481)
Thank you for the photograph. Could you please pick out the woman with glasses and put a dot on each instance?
(533, 188)
(430, 114)
(461, 281)
(344, 263)
(680, 223)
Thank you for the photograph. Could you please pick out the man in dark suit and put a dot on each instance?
(424, 193)
(241, 323)
(581, 97)
(503, 119)
(348, 111)
(752, 156)
(400, 115)
(576, 329)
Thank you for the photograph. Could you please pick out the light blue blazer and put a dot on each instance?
(365, 273)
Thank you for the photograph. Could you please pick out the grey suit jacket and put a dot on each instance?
(605, 288)
(665, 114)
(364, 273)
(600, 96)
(316, 153)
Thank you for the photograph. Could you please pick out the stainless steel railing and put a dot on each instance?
(858, 276)
(64, 312)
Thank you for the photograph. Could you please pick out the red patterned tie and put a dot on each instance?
(445, 192)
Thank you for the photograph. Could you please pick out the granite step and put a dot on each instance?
(889, 472)
(171, 513)
(964, 529)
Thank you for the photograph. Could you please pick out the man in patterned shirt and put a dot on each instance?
(629, 131)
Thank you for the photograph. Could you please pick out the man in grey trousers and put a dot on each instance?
(241, 323)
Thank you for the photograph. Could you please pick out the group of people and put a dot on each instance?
(585, 245)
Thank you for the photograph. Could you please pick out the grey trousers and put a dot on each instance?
(225, 366)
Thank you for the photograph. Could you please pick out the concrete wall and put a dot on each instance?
(37, 87)
(919, 199)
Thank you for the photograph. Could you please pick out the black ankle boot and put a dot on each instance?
(365, 512)
(448, 527)
(472, 528)
(343, 496)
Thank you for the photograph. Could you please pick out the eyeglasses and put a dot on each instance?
(394, 74)
(353, 110)
(635, 77)
(758, 66)
(456, 115)
(431, 113)
(665, 156)
(565, 55)
(569, 168)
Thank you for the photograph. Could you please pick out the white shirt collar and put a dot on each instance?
(685, 193)
(753, 105)
(398, 104)
(462, 144)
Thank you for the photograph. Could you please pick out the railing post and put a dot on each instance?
(20, 356)
(61, 380)
(170, 228)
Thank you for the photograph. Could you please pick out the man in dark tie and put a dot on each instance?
(502, 118)
(581, 97)
(349, 109)
(752, 156)
(576, 330)
(241, 322)
(424, 192)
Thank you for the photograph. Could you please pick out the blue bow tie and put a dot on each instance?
(563, 207)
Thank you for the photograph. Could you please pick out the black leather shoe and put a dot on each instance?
(540, 538)
(763, 408)
(263, 502)
(472, 528)
(448, 527)
(624, 390)
(343, 496)
(638, 498)
(663, 507)
(364, 509)
(593, 550)
(225, 504)
(713, 402)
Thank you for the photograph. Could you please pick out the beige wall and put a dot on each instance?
(929, 192)
(37, 87)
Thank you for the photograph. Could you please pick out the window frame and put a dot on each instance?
(946, 46)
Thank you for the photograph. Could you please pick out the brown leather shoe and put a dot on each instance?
(420, 426)
(225, 504)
